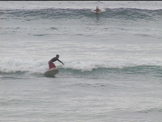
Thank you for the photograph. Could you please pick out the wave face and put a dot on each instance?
(116, 13)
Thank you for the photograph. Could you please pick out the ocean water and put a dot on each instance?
(113, 61)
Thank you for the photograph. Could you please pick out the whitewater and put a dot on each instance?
(113, 61)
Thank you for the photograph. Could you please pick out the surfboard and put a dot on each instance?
(51, 72)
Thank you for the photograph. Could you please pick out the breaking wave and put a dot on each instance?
(12, 65)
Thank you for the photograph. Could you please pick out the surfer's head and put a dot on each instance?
(57, 56)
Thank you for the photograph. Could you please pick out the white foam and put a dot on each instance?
(14, 65)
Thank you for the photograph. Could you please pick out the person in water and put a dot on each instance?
(51, 64)
(97, 9)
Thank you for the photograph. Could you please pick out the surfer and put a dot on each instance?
(97, 9)
(51, 64)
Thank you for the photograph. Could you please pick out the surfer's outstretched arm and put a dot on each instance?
(60, 61)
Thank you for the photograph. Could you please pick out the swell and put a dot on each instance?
(118, 13)
(139, 70)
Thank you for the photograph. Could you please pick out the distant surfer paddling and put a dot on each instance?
(97, 9)
(51, 64)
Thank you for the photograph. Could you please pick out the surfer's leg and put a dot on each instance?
(54, 65)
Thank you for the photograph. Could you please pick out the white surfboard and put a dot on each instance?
(51, 72)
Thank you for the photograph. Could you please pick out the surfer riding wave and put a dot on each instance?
(97, 9)
(51, 64)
